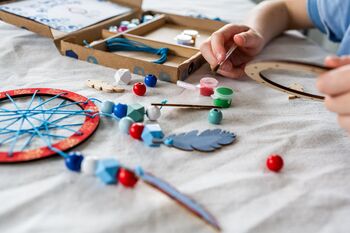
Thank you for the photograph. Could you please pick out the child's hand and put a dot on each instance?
(249, 43)
(335, 85)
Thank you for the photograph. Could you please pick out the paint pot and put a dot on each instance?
(131, 26)
(207, 86)
(125, 23)
(135, 21)
(113, 29)
(222, 97)
(184, 40)
(122, 28)
(147, 18)
(192, 33)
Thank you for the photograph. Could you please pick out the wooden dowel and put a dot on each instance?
(191, 106)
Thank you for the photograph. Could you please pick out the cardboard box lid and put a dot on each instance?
(45, 30)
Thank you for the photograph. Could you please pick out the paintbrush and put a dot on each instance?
(228, 54)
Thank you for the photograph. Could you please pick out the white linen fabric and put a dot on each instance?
(311, 193)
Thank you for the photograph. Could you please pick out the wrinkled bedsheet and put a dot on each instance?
(311, 194)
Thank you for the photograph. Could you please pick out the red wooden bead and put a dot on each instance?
(127, 178)
(135, 130)
(274, 163)
(139, 89)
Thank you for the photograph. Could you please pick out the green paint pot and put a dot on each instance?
(222, 97)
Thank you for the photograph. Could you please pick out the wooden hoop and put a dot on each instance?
(254, 71)
(87, 129)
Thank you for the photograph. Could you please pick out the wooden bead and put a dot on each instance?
(127, 178)
(136, 112)
(136, 130)
(107, 107)
(150, 80)
(123, 76)
(215, 116)
(153, 113)
(120, 110)
(274, 163)
(107, 170)
(125, 124)
(88, 166)
(139, 89)
(152, 135)
(73, 161)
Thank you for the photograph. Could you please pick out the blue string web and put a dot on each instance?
(43, 120)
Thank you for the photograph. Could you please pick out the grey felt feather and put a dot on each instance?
(207, 141)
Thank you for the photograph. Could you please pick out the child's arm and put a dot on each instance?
(267, 20)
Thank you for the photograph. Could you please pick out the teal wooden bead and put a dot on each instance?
(107, 107)
(215, 116)
(136, 112)
(125, 124)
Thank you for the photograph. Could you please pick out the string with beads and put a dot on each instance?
(110, 171)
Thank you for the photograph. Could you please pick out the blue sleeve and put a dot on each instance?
(332, 17)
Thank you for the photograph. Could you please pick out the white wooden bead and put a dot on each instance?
(88, 166)
(123, 76)
(153, 113)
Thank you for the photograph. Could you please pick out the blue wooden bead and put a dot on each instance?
(125, 124)
(120, 110)
(73, 161)
(215, 116)
(150, 80)
(107, 170)
(152, 135)
(107, 107)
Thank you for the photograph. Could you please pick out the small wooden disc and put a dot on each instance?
(254, 71)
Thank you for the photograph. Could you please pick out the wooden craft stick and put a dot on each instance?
(190, 106)
(104, 86)
(228, 54)
(298, 87)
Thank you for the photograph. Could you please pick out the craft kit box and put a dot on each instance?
(89, 42)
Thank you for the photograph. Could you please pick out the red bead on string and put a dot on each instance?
(127, 178)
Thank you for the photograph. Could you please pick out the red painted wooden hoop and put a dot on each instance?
(87, 129)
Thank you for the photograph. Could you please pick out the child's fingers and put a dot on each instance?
(238, 58)
(339, 104)
(220, 37)
(208, 53)
(218, 46)
(334, 61)
(335, 82)
(230, 71)
(344, 121)
(247, 39)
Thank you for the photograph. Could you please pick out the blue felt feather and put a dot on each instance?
(207, 141)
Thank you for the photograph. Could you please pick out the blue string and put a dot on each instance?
(123, 44)
(43, 115)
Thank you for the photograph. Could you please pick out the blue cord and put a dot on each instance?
(123, 44)
(46, 123)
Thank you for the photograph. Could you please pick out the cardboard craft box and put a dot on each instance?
(159, 32)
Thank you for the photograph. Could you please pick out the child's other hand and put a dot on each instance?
(335, 85)
(249, 43)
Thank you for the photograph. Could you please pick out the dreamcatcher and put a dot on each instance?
(33, 116)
